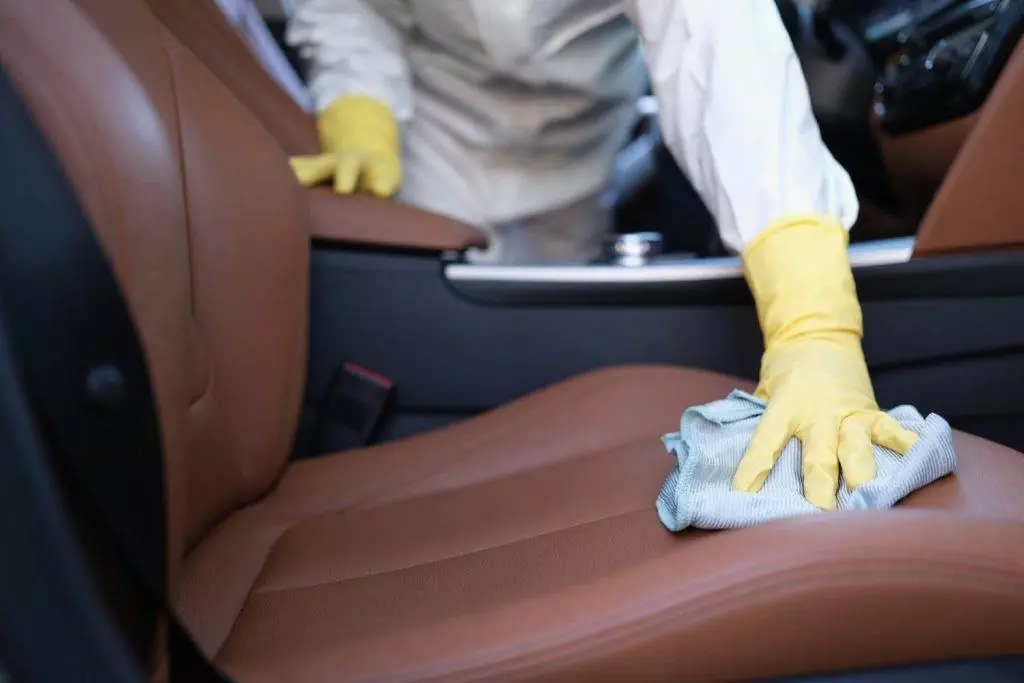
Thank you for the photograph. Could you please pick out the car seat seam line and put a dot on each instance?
(367, 500)
(186, 204)
(414, 565)
(464, 452)
(283, 529)
(573, 456)
(622, 629)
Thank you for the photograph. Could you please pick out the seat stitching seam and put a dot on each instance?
(455, 556)
(464, 452)
(283, 529)
(580, 455)
(173, 76)
(659, 614)
(457, 457)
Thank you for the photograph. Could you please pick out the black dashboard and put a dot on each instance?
(935, 59)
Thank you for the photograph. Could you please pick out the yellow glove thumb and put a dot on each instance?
(313, 169)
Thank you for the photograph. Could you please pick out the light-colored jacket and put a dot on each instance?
(514, 107)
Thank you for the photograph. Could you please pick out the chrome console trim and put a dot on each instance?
(667, 269)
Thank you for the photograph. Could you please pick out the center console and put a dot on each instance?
(938, 58)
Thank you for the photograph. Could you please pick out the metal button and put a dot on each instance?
(636, 249)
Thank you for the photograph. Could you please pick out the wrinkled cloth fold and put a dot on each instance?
(711, 442)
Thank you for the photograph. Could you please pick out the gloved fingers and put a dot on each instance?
(821, 464)
(313, 169)
(856, 455)
(763, 450)
(381, 177)
(889, 433)
(347, 171)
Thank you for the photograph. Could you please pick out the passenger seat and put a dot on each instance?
(521, 545)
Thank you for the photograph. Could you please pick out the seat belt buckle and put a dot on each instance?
(352, 408)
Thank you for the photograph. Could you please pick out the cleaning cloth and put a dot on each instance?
(711, 442)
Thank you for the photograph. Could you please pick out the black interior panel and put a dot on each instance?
(945, 335)
(942, 59)
(993, 671)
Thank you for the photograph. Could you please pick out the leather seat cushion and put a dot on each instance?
(524, 544)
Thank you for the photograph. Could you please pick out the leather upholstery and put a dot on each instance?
(521, 545)
(361, 219)
(195, 204)
(203, 29)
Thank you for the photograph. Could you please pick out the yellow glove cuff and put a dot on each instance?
(359, 121)
(799, 273)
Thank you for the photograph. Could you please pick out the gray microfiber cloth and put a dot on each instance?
(713, 437)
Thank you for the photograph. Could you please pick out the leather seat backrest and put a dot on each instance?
(196, 207)
(203, 28)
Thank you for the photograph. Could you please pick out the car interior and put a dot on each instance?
(253, 432)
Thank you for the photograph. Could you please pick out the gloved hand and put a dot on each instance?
(813, 373)
(359, 136)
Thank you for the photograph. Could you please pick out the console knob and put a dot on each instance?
(637, 248)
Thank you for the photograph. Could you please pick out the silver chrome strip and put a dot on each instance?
(862, 255)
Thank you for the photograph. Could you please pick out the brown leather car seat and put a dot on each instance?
(521, 545)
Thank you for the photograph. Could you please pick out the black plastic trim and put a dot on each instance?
(1009, 670)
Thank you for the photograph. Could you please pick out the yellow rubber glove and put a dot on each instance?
(813, 373)
(361, 146)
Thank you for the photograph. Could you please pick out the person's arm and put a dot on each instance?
(351, 49)
(736, 114)
(361, 86)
